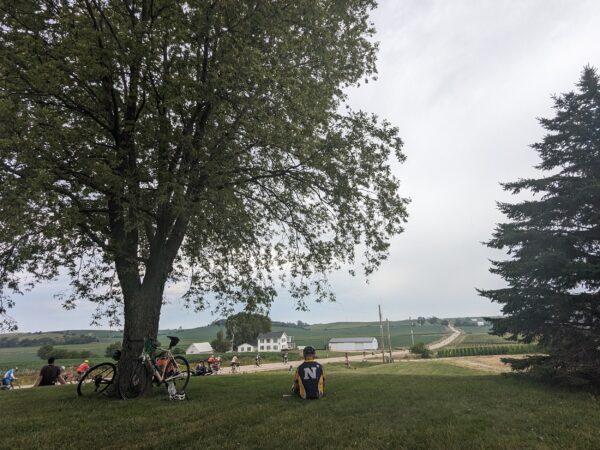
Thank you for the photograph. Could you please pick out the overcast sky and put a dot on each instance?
(464, 80)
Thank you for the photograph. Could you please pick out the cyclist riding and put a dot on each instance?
(235, 364)
(9, 377)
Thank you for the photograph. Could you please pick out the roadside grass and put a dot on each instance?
(412, 405)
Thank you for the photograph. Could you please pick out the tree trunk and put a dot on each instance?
(142, 316)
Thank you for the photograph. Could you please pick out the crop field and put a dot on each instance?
(409, 405)
(478, 336)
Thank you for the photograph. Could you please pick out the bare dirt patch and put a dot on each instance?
(487, 363)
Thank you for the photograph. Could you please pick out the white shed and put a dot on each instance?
(199, 348)
(356, 344)
(247, 347)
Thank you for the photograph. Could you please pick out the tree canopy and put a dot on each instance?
(553, 273)
(245, 327)
(220, 344)
(202, 143)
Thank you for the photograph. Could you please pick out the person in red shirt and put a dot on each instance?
(82, 369)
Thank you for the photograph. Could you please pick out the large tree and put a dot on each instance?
(206, 143)
(553, 273)
(246, 326)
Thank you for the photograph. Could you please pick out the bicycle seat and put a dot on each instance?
(174, 341)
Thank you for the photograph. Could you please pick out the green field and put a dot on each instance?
(477, 336)
(316, 335)
(412, 405)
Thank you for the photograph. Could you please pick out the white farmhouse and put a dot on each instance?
(248, 347)
(199, 348)
(355, 344)
(275, 341)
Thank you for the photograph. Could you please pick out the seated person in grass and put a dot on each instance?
(49, 374)
(66, 375)
(309, 380)
(201, 369)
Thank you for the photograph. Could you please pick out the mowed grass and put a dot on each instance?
(411, 405)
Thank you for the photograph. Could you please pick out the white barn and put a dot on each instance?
(199, 348)
(356, 344)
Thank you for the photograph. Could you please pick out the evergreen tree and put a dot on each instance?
(553, 274)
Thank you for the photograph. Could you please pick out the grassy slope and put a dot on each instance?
(408, 405)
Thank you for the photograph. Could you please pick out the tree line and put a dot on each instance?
(47, 351)
(8, 342)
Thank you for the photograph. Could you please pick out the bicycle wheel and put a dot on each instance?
(96, 380)
(181, 375)
(135, 385)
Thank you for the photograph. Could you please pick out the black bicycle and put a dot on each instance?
(96, 380)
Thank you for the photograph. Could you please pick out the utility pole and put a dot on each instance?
(382, 338)
(389, 337)
(412, 334)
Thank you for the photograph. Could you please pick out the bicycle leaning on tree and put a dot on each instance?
(96, 380)
(159, 366)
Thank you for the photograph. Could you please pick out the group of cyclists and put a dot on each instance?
(212, 365)
(9, 378)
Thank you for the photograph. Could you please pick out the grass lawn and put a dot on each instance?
(429, 405)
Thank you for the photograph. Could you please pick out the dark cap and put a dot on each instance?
(309, 350)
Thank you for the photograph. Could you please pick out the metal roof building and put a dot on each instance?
(354, 344)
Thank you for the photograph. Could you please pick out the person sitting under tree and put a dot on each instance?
(309, 379)
(49, 375)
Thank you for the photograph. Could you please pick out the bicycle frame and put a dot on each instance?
(159, 375)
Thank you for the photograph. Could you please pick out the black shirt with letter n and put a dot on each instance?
(309, 381)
